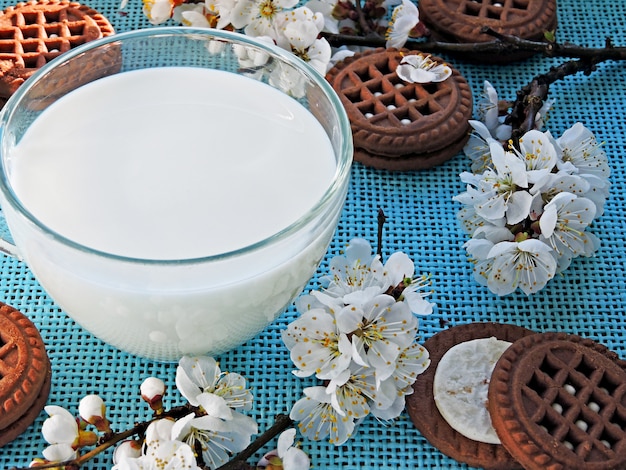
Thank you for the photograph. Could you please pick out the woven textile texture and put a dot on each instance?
(588, 299)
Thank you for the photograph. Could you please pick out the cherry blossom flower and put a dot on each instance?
(548, 191)
(325, 8)
(358, 334)
(563, 225)
(219, 439)
(128, 449)
(417, 68)
(161, 455)
(316, 345)
(347, 392)
(497, 191)
(202, 383)
(356, 271)
(478, 147)
(317, 419)
(286, 455)
(260, 17)
(159, 11)
(209, 14)
(399, 271)
(61, 430)
(489, 114)
(413, 361)
(537, 152)
(581, 154)
(404, 18)
(380, 331)
(528, 265)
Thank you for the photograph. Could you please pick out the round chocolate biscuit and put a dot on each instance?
(413, 161)
(24, 365)
(423, 410)
(11, 432)
(421, 125)
(462, 21)
(35, 32)
(558, 401)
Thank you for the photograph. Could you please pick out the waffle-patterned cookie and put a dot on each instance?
(558, 402)
(423, 410)
(33, 33)
(462, 21)
(24, 372)
(398, 125)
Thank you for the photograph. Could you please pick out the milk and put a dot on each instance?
(167, 165)
(158, 164)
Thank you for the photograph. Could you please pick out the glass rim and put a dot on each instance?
(340, 177)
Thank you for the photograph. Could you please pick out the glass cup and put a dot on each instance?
(163, 307)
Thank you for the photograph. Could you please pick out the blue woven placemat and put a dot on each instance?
(588, 299)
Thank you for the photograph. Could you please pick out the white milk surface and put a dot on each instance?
(172, 163)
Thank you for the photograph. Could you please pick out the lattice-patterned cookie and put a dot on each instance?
(398, 125)
(24, 372)
(34, 33)
(558, 402)
(462, 21)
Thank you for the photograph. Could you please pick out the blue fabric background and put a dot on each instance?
(588, 299)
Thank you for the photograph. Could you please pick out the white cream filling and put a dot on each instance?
(461, 384)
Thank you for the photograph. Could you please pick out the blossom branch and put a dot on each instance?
(362, 20)
(502, 44)
(281, 423)
(530, 99)
(113, 439)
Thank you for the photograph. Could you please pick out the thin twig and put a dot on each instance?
(381, 222)
(502, 45)
(531, 98)
(281, 423)
(365, 27)
(139, 429)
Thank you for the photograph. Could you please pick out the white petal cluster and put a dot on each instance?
(358, 335)
(404, 18)
(218, 427)
(293, 27)
(528, 210)
(417, 68)
(287, 455)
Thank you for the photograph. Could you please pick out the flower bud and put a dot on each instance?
(86, 439)
(152, 391)
(93, 411)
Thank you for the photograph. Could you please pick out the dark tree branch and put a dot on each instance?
(531, 98)
(239, 461)
(503, 44)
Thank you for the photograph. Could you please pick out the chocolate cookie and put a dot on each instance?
(558, 402)
(423, 410)
(398, 125)
(15, 429)
(24, 371)
(462, 21)
(34, 33)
